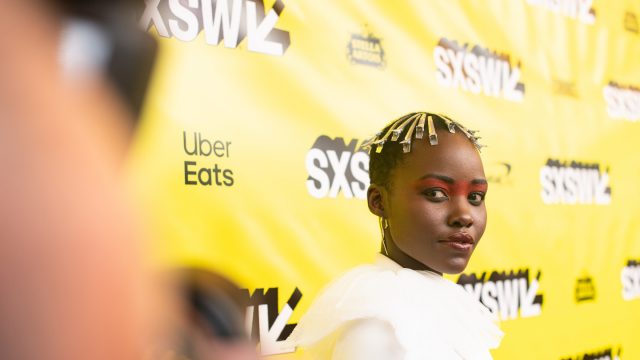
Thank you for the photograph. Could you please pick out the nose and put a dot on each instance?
(460, 213)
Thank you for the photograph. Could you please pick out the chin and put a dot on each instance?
(454, 267)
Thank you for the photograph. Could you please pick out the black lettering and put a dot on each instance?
(228, 144)
(207, 181)
(228, 176)
(187, 173)
(204, 141)
(216, 170)
(184, 143)
(218, 148)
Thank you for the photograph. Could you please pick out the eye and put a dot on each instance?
(476, 198)
(436, 195)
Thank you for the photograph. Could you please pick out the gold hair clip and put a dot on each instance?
(397, 131)
(416, 123)
(433, 137)
(451, 124)
(406, 143)
(420, 127)
(380, 143)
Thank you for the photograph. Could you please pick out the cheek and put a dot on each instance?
(416, 216)
(481, 220)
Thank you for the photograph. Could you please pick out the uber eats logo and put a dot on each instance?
(623, 101)
(574, 182)
(228, 21)
(630, 277)
(580, 10)
(267, 323)
(610, 353)
(507, 295)
(204, 173)
(335, 167)
(477, 70)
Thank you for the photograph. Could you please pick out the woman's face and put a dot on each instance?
(435, 204)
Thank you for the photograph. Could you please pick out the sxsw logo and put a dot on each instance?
(477, 70)
(337, 167)
(574, 182)
(610, 353)
(227, 21)
(507, 295)
(580, 10)
(623, 101)
(630, 277)
(365, 50)
(268, 325)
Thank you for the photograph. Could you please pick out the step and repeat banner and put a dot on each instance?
(247, 159)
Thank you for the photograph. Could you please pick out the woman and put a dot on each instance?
(428, 193)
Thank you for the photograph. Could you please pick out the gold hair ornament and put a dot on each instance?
(416, 126)
(384, 224)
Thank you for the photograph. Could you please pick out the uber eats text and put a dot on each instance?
(203, 173)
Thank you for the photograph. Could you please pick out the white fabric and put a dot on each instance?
(367, 339)
(431, 317)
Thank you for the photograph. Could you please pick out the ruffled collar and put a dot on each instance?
(432, 316)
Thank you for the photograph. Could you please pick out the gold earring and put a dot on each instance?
(384, 224)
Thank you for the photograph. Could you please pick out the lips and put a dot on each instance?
(460, 241)
(460, 237)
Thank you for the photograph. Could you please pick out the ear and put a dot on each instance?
(375, 199)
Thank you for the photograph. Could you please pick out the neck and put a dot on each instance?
(403, 259)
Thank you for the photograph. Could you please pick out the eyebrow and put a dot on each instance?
(449, 180)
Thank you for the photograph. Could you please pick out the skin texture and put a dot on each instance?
(435, 192)
(71, 274)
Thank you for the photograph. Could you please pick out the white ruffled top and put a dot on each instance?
(384, 311)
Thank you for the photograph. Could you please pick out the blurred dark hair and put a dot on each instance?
(70, 5)
(214, 301)
(133, 52)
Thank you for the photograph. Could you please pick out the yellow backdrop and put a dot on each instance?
(247, 157)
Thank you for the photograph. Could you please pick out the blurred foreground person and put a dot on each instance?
(71, 281)
(204, 319)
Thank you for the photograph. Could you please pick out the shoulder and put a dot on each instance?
(374, 291)
(366, 339)
(424, 312)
